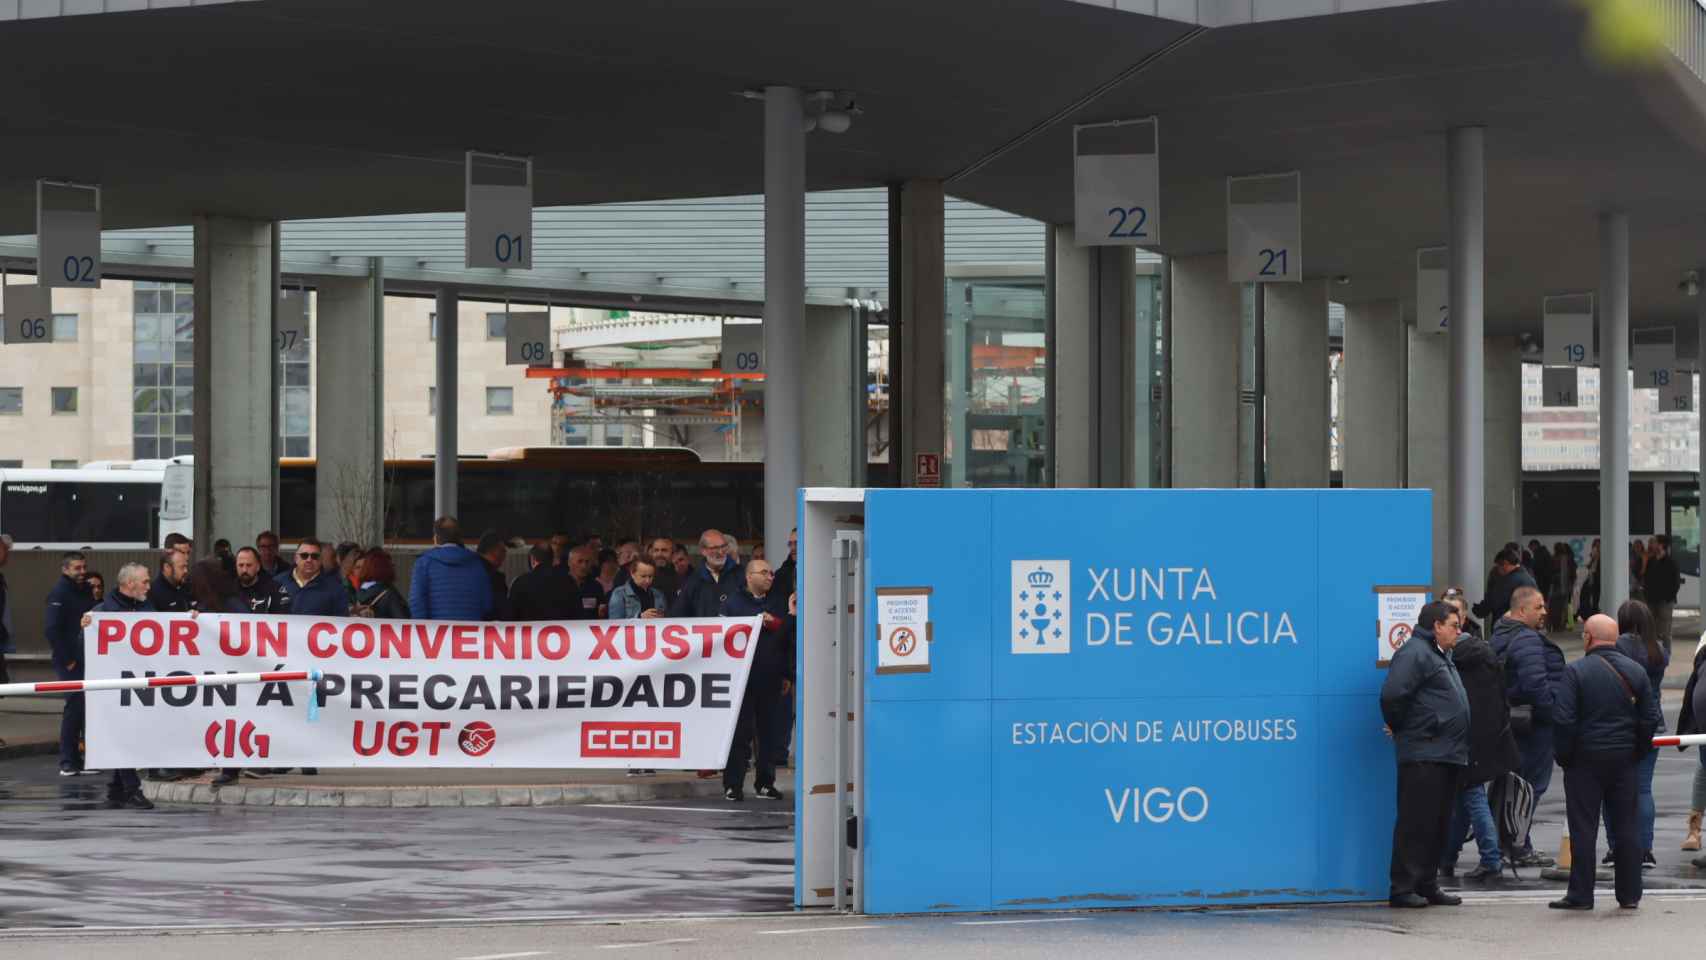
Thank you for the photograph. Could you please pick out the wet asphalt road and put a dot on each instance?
(67, 861)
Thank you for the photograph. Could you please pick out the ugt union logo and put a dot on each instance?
(1042, 606)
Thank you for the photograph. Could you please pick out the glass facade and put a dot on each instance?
(997, 400)
(163, 374)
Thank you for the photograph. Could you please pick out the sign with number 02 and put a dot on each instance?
(527, 339)
(1264, 228)
(68, 234)
(1117, 184)
(499, 218)
(28, 313)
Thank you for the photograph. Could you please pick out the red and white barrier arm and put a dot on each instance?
(144, 683)
(1684, 740)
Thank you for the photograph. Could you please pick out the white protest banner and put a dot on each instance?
(409, 693)
(1400, 608)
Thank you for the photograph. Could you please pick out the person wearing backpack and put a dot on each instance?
(1492, 752)
(1605, 716)
(1533, 667)
(378, 595)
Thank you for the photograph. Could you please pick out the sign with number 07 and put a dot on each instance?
(499, 212)
(68, 234)
(29, 313)
(1264, 228)
(1117, 184)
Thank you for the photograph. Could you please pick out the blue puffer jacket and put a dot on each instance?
(1534, 666)
(1635, 649)
(450, 583)
(323, 596)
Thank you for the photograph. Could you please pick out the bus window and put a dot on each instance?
(1682, 521)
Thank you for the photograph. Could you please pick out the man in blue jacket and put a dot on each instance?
(1427, 716)
(450, 581)
(1534, 666)
(314, 591)
(1606, 711)
(707, 586)
(66, 604)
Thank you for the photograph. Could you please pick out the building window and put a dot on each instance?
(162, 371)
(11, 464)
(497, 326)
(11, 401)
(64, 399)
(500, 401)
(65, 328)
(63, 464)
(432, 325)
(432, 401)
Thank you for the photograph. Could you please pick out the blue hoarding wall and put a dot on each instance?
(1135, 697)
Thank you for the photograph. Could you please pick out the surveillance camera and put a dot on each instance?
(1690, 284)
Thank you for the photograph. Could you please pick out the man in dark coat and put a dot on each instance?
(494, 552)
(1662, 580)
(314, 591)
(1507, 578)
(770, 677)
(259, 592)
(170, 591)
(708, 585)
(1427, 715)
(1606, 709)
(66, 604)
(129, 595)
(1534, 666)
(1492, 753)
(537, 594)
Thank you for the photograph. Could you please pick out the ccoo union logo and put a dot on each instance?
(1042, 606)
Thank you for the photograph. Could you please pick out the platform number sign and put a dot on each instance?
(292, 336)
(1264, 228)
(1567, 330)
(28, 312)
(1652, 355)
(1433, 291)
(1558, 387)
(68, 232)
(527, 339)
(743, 347)
(1117, 184)
(1676, 394)
(499, 220)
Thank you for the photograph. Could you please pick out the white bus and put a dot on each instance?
(110, 505)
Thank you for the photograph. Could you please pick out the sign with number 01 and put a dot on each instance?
(1264, 228)
(1433, 291)
(1567, 330)
(68, 234)
(1558, 386)
(1117, 184)
(1676, 395)
(743, 347)
(499, 219)
(292, 320)
(28, 311)
(527, 339)
(1652, 355)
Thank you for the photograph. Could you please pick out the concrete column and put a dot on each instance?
(1205, 319)
(1094, 356)
(827, 364)
(1466, 186)
(1503, 483)
(918, 283)
(1296, 375)
(1613, 409)
(784, 304)
(1700, 447)
(236, 395)
(349, 353)
(1429, 426)
(445, 449)
(1371, 411)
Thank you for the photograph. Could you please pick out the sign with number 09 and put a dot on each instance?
(1264, 228)
(743, 347)
(68, 234)
(499, 218)
(527, 339)
(28, 311)
(1117, 184)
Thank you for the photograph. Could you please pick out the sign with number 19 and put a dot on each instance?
(1567, 330)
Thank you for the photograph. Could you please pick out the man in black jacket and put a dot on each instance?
(1427, 716)
(1507, 577)
(66, 604)
(769, 679)
(1662, 581)
(170, 592)
(537, 594)
(129, 595)
(260, 593)
(705, 587)
(1606, 708)
(1492, 753)
(494, 552)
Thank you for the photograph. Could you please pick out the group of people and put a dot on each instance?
(566, 580)
(1469, 708)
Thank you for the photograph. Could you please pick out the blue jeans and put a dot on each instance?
(1644, 808)
(1537, 760)
(1471, 811)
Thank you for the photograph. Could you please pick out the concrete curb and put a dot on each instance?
(29, 748)
(268, 795)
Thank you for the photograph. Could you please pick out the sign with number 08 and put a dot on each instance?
(1117, 184)
(29, 313)
(1264, 228)
(499, 218)
(527, 339)
(68, 234)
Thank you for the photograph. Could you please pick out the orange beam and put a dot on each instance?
(638, 373)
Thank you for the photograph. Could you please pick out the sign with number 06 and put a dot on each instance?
(527, 339)
(1117, 184)
(499, 218)
(28, 313)
(1264, 228)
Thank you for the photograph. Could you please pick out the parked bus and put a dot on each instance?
(114, 505)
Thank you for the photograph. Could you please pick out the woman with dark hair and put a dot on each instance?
(1638, 639)
(214, 590)
(1563, 585)
(378, 595)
